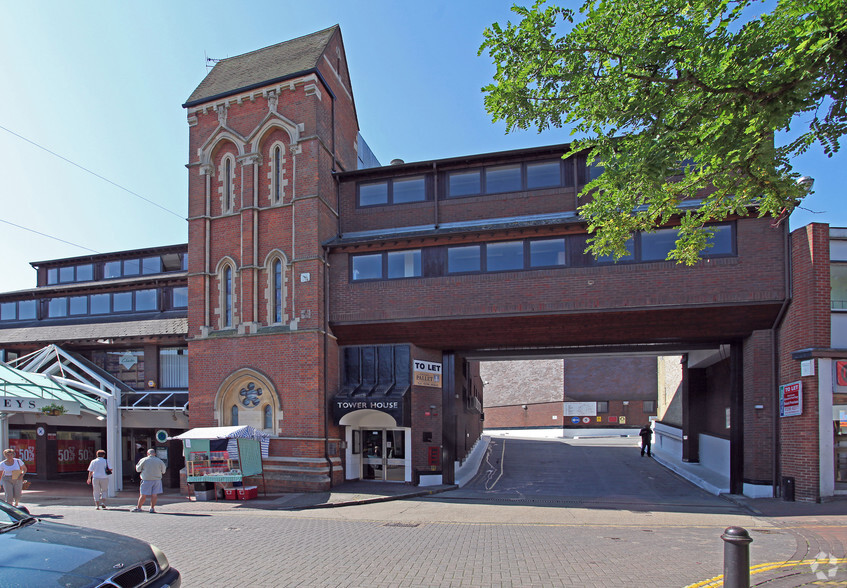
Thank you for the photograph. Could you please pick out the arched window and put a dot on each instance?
(248, 398)
(276, 174)
(277, 291)
(268, 418)
(276, 285)
(227, 297)
(227, 203)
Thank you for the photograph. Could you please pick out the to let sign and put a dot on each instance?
(791, 399)
(426, 373)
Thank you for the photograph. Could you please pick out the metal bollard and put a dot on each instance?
(736, 557)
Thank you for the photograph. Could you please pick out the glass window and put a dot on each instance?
(838, 283)
(173, 367)
(151, 265)
(463, 183)
(66, 274)
(79, 305)
(85, 273)
(277, 311)
(546, 252)
(721, 241)
(594, 171)
(463, 259)
(268, 421)
(367, 267)
(404, 264)
(228, 185)
(277, 169)
(649, 406)
(233, 415)
(122, 302)
(409, 190)
(228, 297)
(27, 309)
(52, 276)
(503, 178)
(146, 299)
(630, 255)
(180, 297)
(837, 250)
(544, 174)
(656, 246)
(602, 406)
(504, 256)
(112, 269)
(132, 267)
(185, 262)
(373, 194)
(8, 311)
(57, 307)
(100, 303)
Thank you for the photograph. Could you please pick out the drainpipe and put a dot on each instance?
(326, 362)
(775, 369)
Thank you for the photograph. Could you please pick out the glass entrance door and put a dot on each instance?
(384, 455)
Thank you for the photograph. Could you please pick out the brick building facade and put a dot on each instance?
(345, 311)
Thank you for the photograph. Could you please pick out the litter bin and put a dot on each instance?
(788, 489)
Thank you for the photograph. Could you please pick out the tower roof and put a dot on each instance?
(262, 67)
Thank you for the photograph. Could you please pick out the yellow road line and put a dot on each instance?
(759, 568)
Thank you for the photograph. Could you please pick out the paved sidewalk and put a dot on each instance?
(44, 493)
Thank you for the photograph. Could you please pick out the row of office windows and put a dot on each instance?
(106, 270)
(150, 299)
(494, 179)
(524, 254)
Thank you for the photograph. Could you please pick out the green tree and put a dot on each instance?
(656, 85)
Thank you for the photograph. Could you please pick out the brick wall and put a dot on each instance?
(806, 325)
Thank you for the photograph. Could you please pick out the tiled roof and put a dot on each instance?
(91, 331)
(263, 65)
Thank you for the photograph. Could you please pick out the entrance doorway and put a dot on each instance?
(384, 455)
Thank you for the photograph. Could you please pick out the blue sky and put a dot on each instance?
(102, 84)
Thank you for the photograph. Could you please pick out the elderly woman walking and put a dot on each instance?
(99, 471)
(13, 470)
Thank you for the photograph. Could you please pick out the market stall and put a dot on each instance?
(223, 457)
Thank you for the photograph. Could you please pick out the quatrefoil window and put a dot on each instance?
(250, 395)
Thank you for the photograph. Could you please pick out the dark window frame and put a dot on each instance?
(383, 265)
(566, 177)
(389, 182)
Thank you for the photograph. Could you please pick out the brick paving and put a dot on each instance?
(542, 533)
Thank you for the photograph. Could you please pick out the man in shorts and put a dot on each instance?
(151, 469)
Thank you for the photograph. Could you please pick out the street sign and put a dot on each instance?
(575, 420)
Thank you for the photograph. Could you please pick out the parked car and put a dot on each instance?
(46, 554)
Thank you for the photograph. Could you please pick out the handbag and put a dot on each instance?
(108, 471)
(25, 485)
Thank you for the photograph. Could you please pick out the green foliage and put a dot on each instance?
(657, 85)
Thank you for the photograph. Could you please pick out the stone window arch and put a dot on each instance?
(247, 397)
(276, 292)
(227, 317)
(226, 178)
(277, 181)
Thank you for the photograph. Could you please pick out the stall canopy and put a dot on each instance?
(227, 437)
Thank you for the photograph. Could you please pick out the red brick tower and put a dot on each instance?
(267, 130)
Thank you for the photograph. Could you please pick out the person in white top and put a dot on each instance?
(13, 476)
(98, 478)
